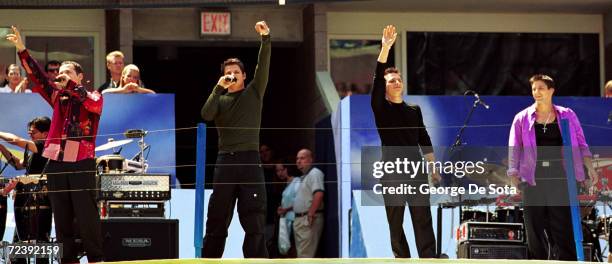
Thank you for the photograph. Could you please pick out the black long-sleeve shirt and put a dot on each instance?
(238, 114)
(389, 115)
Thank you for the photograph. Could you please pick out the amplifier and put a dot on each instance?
(140, 239)
(114, 209)
(135, 186)
(490, 232)
(491, 251)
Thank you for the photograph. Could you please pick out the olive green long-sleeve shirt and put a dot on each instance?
(238, 114)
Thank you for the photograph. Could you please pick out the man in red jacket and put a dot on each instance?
(70, 148)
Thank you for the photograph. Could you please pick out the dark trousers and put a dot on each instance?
(32, 212)
(246, 184)
(67, 204)
(548, 221)
(2, 215)
(420, 213)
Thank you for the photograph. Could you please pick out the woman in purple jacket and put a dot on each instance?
(536, 165)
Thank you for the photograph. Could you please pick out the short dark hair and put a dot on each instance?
(51, 62)
(232, 61)
(77, 67)
(391, 70)
(41, 123)
(550, 83)
(289, 164)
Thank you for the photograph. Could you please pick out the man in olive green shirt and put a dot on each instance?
(236, 111)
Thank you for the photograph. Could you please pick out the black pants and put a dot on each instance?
(548, 221)
(245, 183)
(2, 215)
(63, 177)
(420, 214)
(32, 213)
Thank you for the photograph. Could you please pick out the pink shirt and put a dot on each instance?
(523, 147)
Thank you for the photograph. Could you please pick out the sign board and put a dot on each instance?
(215, 23)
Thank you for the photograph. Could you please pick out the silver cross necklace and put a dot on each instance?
(546, 122)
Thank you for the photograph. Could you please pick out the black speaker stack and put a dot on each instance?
(134, 226)
(491, 240)
(140, 239)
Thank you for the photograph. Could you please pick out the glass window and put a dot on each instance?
(7, 52)
(352, 64)
(449, 63)
(79, 49)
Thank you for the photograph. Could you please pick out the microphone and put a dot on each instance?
(230, 78)
(478, 100)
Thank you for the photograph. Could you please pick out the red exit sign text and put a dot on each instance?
(215, 23)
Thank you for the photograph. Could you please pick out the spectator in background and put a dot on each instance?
(13, 83)
(52, 69)
(286, 172)
(608, 89)
(308, 206)
(114, 64)
(130, 82)
(274, 188)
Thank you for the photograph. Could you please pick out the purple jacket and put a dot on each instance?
(523, 148)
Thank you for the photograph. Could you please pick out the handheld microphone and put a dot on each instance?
(230, 78)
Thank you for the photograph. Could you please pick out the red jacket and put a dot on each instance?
(76, 114)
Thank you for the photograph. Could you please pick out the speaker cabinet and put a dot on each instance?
(140, 239)
(491, 251)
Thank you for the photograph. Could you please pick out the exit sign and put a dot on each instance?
(215, 23)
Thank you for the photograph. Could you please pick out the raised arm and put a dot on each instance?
(43, 85)
(260, 77)
(378, 89)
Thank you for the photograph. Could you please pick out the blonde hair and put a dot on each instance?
(608, 88)
(126, 71)
(114, 54)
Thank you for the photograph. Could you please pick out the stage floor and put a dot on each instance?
(336, 261)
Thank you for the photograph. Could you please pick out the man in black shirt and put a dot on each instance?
(34, 163)
(238, 174)
(401, 125)
(33, 160)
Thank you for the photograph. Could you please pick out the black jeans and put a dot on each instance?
(238, 175)
(67, 204)
(420, 213)
(548, 221)
(2, 215)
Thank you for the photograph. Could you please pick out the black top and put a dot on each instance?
(388, 115)
(545, 141)
(35, 162)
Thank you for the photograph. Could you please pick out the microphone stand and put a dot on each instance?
(450, 153)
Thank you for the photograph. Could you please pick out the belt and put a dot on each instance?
(548, 163)
(29, 208)
(306, 213)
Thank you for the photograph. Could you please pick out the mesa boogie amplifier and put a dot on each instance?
(490, 250)
(134, 186)
(123, 209)
(491, 232)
